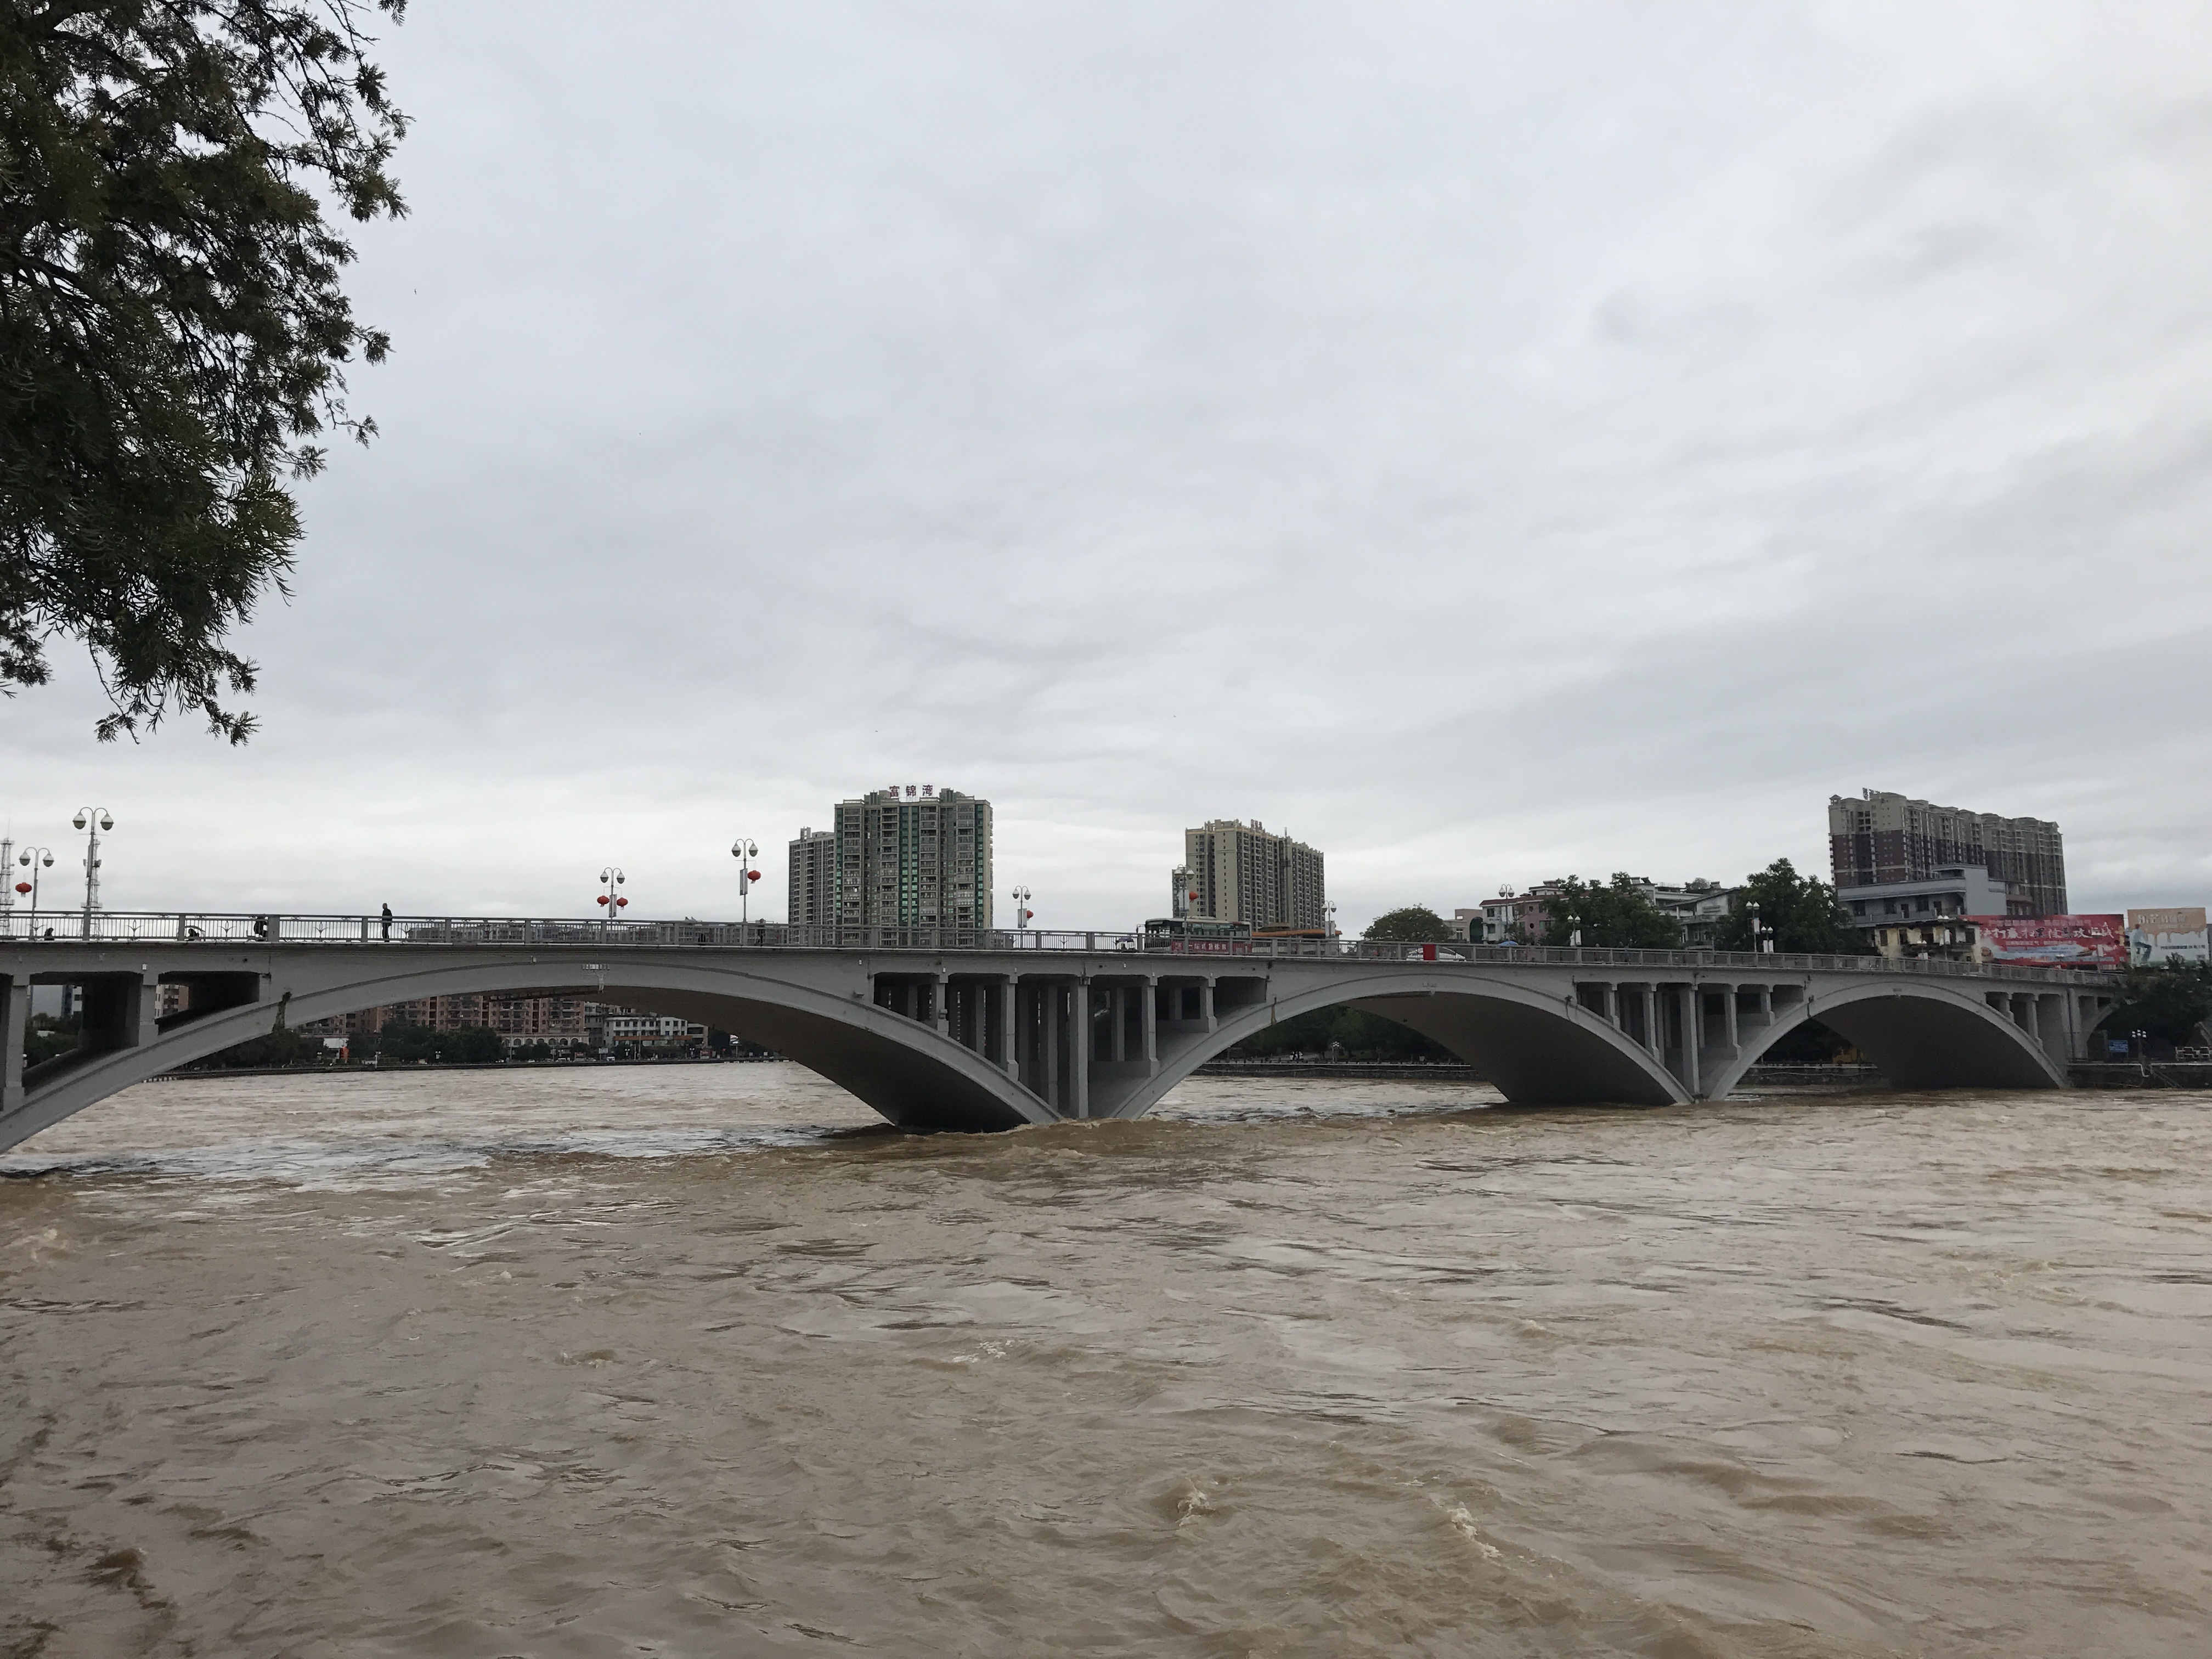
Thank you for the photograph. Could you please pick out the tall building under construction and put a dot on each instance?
(1234, 872)
(1884, 849)
(907, 855)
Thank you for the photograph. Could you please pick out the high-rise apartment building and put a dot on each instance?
(1241, 873)
(911, 855)
(813, 879)
(1886, 849)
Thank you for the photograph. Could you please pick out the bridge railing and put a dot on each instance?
(271, 927)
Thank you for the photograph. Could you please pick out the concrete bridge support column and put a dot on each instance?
(1612, 993)
(1151, 1026)
(15, 1025)
(1050, 990)
(1693, 1021)
(1728, 993)
(1206, 1004)
(1082, 1046)
(1010, 1026)
(1117, 1000)
(940, 1003)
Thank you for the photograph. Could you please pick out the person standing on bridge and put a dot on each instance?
(387, 924)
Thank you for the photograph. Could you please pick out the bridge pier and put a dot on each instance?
(15, 1031)
(1152, 1025)
(1693, 1032)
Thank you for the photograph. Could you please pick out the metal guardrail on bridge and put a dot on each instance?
(208, 927)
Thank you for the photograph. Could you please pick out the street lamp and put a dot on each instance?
(1022, 911)
(1575, 935)
(93, 819)
(1762, 937)
(611, 878)
(745, 852)
(38, 857)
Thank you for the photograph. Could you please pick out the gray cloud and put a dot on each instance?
(1492, 441)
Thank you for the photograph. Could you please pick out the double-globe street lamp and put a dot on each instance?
(746, 852)
(37, 858)
(611, 878)
(96, 820)
(1022, 911)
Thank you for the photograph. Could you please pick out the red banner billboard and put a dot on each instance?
(2052, 941)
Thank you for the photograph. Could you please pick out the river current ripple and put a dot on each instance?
(696, 1361)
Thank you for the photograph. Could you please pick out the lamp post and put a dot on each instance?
(745, 852)
(1761, 940)
(1022, 911)
(92, 819)
(38, 857)
(1574, 931)
(611, 878)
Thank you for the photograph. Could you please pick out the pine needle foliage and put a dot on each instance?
(173, 333)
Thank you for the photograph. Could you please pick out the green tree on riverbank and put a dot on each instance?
(2168, 1001)
(1803, 911)
(1411, 924)
(1618, 915)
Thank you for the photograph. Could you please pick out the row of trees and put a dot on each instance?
(1796, 912)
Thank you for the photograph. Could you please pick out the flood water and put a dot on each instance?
(696, 1361)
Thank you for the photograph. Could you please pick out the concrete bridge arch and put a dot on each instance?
(913, 1074)
(1539, 1046)
(1925, 1034)
(991, 1037)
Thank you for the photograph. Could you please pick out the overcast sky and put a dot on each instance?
(1492, 441)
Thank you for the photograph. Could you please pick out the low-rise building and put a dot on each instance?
(1518, 918)
(1953, 890)
(1521, 918)
(625, 1030)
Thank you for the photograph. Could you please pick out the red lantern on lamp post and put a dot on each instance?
(610, 878)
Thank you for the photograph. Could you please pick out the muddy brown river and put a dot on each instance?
(696, 1361)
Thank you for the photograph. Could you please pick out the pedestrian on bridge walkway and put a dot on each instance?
(387, 924)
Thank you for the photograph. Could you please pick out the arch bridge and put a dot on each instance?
(969, 1032)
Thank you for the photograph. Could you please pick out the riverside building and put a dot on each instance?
(1899, 861)
(1240, 873)
(907, 855)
